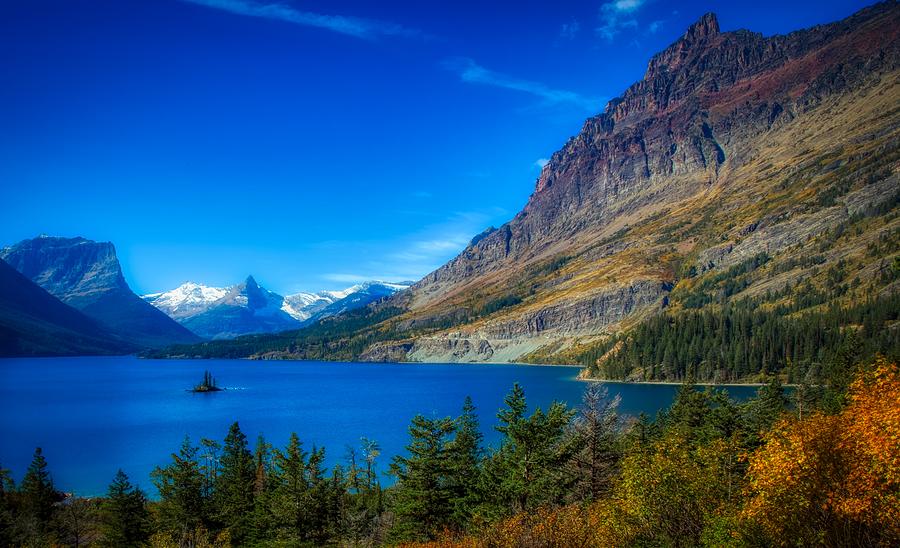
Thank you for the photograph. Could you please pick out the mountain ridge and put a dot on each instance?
(87, 275)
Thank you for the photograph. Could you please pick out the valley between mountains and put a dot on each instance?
(731, 215)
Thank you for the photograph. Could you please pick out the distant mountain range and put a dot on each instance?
(86, 275)
(247, 307)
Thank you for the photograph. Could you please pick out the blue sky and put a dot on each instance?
(312, 144)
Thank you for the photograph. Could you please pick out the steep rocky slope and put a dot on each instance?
(86, 275)
(35, 323)
(733, 144)
(728, 140)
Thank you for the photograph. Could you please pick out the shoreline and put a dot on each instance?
(556, 365)
(674, 383)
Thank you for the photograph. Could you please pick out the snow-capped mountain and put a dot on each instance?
(225, 312)
(303, 306)
(245, 308)
(186, 300)
(358, 296)
(387, 288)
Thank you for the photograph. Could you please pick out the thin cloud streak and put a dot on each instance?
(617, 15)
(569, 30)
(434, 246)
(472, 73)
(346, 278)
(352, 26)
(413, 257)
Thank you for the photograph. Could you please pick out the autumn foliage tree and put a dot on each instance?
(833, 479)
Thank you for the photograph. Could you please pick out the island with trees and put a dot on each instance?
(208, 384)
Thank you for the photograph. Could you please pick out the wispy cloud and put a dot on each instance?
(345, 278)
(471, 72)
(541, 162)
(617, 15)
(411, 256)
(570, 30)
(654, 26)
(351, 26)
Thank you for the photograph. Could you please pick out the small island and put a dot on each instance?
(208, 384)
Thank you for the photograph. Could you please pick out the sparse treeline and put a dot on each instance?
(707, 471)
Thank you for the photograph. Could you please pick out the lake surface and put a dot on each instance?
(93, 415)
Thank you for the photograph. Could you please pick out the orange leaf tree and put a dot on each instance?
(833, 479)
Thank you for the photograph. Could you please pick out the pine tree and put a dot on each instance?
(37, 492)
(263, 462)
(182, 506)
(464, 460)
(370, 453)
(124, 515)
(209, 457)
(514, 412)
(235, 485)
(422, 500)
(7, 487)
(761, 412)
(263, 520)
(291, 489)
(528, 469)
(320, 516)
(337, 488)
(595, 437)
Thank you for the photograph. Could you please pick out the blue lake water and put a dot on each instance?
(93, 415)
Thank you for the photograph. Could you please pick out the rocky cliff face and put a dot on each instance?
(674, 133)
(87, 276)
(76, 270)
(691, 131)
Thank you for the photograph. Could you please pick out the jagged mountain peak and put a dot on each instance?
(696, 38)
(706, 26)
(252, 295)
